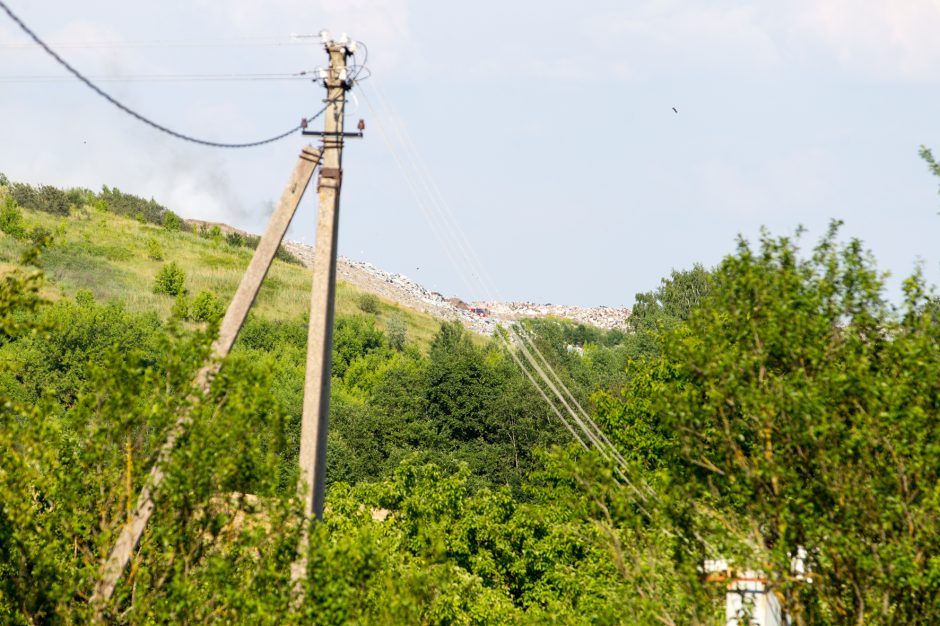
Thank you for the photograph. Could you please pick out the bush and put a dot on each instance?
(11, 219)
(369, 303)
(170, 280)
(4, 181)
(206, 307)
(45, 198)
(285, 256)
(40, 237)
(235, 239)
(397, 332)
(130, 205)
(154, 250)
(84, 297)
(78, 197)
(172, 222)
(180, 310)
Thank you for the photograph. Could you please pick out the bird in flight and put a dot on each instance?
(675, 110)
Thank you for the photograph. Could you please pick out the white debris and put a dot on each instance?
(401, 289)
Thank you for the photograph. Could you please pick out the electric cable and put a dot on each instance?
(131, 78)
(460, 241)
(271, 41)
(621, 467)
(580, 417)
(135, 114)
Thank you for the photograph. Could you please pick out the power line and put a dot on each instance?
(164, 43)
(574, 415)
(135, 114)
(132, 78)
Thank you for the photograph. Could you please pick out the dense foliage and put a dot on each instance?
(776, 405)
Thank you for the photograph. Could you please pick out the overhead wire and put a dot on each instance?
(46, 78)
(215, 144)
(270, 41)
(434, 221)
(458, 239)
(621, 467)
(457, 233)
(439, 223)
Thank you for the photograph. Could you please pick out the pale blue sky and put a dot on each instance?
(547, 126)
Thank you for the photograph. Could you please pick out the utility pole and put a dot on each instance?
(316, 407)
(235, 315)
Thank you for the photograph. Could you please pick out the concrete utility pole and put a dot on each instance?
(130, 534)
(316, 407)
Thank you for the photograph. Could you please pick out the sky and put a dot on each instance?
(541, 132)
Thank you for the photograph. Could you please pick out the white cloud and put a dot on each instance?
(686, 34)
(891, 38)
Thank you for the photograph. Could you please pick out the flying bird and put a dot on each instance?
(675, 110)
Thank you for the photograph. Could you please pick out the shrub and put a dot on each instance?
(4, 181)
(11, 219)
(40, 237)
(235, 239)
(368, 303)
(172, 222)
(130, 205)
(206, 307)
(396, 331)
(84, 297)
(285, 256)
(154, 250)
(215, 233)
(180, 310)
(170, 280)
(78, 197)
(45, 198)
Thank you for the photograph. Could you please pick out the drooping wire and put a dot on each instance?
(360, 67)
(270, 41)
(513, 336)
(517, 340)
(45, 78)
(135, 114)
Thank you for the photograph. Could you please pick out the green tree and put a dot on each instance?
(170, 280)
(368, 303)
(11, 219)
(206, 307)
(794, 410)
(672, 302)
(172, 222)
(154, 249)
(397, 332)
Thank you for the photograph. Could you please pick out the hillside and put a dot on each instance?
(112, 256)
(773, 405)
(216, 266)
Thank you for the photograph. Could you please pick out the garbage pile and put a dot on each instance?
(480, 317)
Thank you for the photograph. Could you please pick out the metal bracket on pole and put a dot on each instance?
(320, 133)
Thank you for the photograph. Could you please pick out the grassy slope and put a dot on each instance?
(108, 254)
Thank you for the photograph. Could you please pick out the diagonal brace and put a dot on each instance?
(235, 316)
